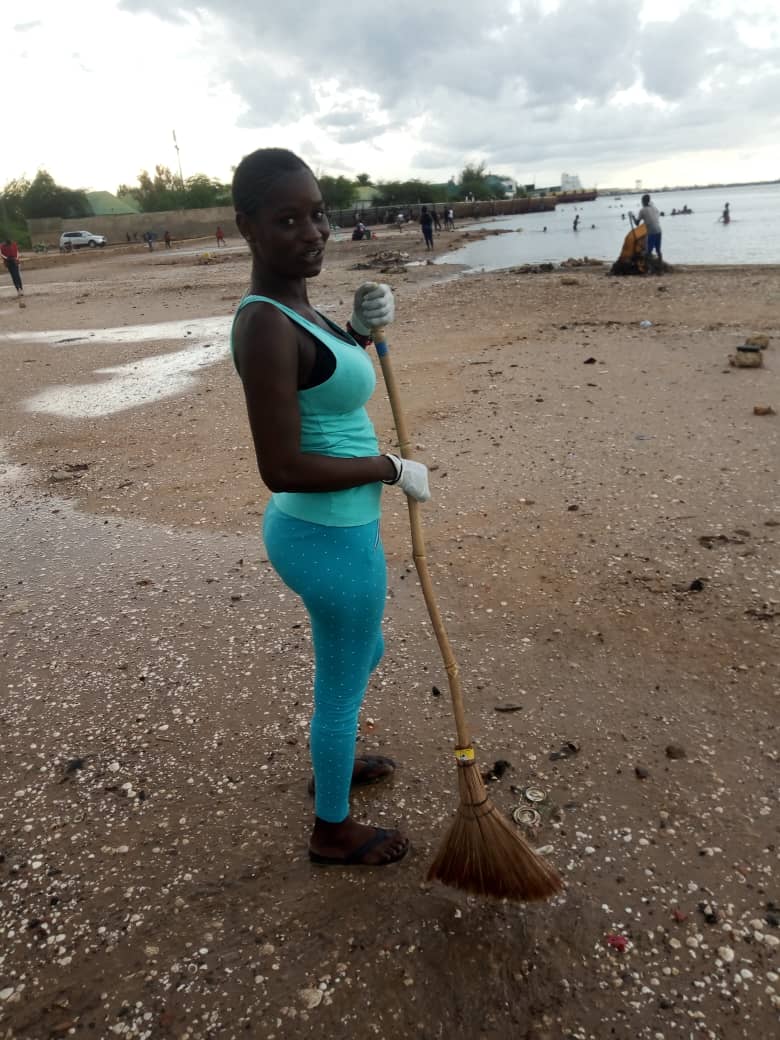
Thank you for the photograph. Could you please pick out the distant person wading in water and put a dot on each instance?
(726, 215)
(306, 382)
(652, 220)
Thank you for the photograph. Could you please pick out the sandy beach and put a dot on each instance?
(603, 536)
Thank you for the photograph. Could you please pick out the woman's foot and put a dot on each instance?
(351, 844)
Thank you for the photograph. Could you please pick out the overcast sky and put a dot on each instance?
(668, 91)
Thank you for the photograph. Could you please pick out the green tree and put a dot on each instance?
(408, 193)
(165, 191)
(363, 179)
(45, 198)
(153, 194)
(12, 222)
(201, 192)
(473, 181)
(338, 192)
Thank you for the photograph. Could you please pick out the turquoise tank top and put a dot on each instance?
(334, 422)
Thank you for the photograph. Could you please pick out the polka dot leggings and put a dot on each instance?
(341, 576)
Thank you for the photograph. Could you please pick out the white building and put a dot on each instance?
(570, 182)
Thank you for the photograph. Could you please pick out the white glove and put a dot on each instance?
(374, 307)
(411, 477)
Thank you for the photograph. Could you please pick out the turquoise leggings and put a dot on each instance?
(341, 576)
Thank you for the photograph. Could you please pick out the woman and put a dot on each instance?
(306, 382)
(9, 251)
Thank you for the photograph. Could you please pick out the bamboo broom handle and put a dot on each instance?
(418, 547)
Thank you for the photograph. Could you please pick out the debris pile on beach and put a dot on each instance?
(533, 269)
(387, 261)
(545, 268)
(585, 261)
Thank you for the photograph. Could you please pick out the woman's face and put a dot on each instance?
(287, 234)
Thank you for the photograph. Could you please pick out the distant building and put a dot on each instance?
(501, 186)
(570, 182)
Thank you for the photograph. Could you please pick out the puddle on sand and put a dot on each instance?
(130, 385)
(197, 330)
(136, 382)
(10, 473)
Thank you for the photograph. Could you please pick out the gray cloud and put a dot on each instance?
(26, 26)
(676, 56)
(271, 97)
(351, 125)
(519, 86)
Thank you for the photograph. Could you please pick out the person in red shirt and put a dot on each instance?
(220, 237)
(10, 254)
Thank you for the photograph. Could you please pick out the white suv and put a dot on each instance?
(76, 239)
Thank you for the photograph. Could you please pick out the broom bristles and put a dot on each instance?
(485, 855)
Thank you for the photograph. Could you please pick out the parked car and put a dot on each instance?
(76, 239)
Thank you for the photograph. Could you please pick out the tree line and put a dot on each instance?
(22, 199)
(474, 182)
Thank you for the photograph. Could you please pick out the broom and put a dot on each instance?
(482, 853)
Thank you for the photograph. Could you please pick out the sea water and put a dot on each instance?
(752, 237)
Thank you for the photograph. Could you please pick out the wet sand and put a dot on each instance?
(603, 539)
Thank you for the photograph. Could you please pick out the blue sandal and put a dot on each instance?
(356, 858)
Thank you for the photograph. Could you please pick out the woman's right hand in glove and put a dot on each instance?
(411, 477)
(374, 307)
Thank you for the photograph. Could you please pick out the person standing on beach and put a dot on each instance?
(426, 223)
(436, 220)
(167, 239)
(220, 236)
(9, 251)
(306, 383)
(726, 215)
(449, 219)
(652, 220)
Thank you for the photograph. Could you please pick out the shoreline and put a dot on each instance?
(466, 233)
